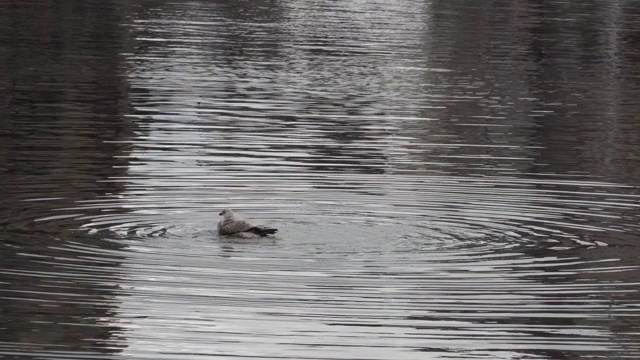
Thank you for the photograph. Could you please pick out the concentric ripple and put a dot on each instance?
(450, 180)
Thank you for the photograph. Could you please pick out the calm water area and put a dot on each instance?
(451, 179)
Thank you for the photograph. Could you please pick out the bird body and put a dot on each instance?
(232, 224)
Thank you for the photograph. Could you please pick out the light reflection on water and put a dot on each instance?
(449, 181)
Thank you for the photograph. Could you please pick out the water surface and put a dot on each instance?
(451, 180)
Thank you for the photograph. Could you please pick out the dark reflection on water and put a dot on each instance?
(64, 94)
(450, 179)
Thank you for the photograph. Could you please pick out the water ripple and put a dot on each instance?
(449, 180)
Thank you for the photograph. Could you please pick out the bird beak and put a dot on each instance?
(220, 213)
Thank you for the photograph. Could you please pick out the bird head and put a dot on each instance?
(226, 213)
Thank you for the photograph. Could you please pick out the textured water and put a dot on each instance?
(451, 180)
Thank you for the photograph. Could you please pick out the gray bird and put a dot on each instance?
(232, 224)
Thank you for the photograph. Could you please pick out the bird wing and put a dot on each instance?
(236, 226)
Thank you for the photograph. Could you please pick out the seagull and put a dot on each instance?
(232, 224)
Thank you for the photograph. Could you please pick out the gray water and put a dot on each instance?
(451, 179)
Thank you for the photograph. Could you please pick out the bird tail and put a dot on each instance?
(263, 231)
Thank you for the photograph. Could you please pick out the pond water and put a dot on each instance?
(451, 179)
